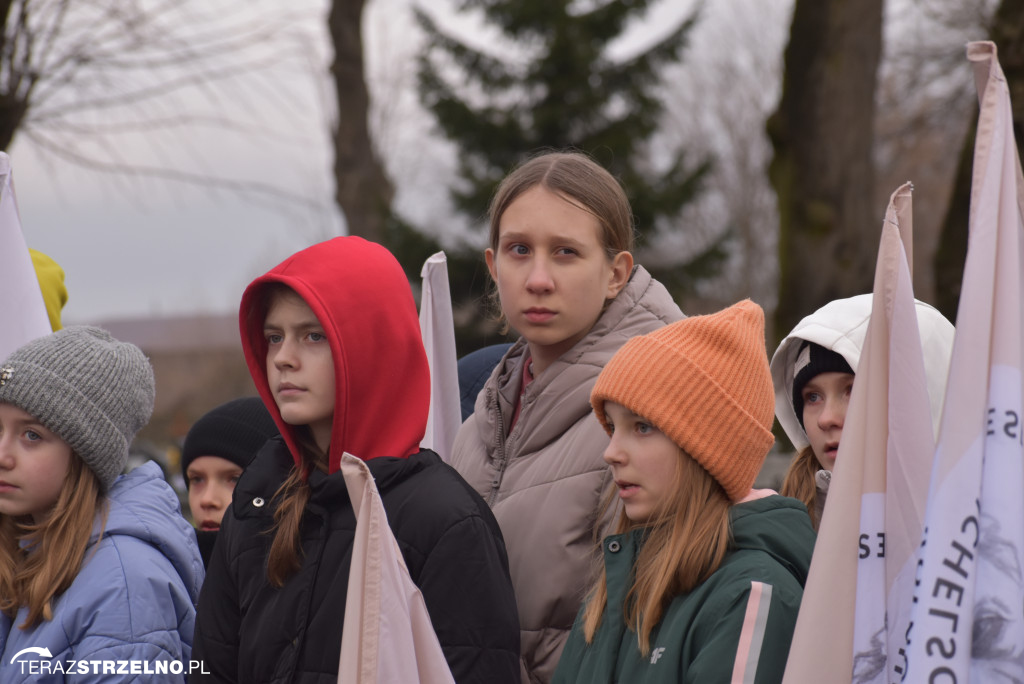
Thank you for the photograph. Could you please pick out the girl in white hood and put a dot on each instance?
(813, 372)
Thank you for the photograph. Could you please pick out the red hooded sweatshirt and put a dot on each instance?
(381, 378)
(251, 632)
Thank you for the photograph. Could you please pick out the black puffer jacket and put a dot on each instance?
(250, 632)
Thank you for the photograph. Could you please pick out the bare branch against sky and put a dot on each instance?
(236, 94)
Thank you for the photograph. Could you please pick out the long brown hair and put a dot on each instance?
(44, 567)
(684, 546)
(285, 556)
(800, 484)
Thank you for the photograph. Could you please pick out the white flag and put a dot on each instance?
(968, 615)
(387, 636)
(855, 608)
(23, 310)
(438, 329)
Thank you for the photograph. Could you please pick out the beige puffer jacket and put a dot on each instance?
(545, 480)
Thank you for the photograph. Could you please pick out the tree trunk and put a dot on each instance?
(822, 170)
(1007, 33)
(13, 105)
(363, 190)
(12, 115)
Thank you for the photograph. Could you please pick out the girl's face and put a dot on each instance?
(300, 368)
(34, 463)
(644, 462)
(826, 398)
(211, 481)
(552, 273)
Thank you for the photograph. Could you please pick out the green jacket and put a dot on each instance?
(735, 627)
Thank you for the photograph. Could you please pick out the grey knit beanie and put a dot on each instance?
(89, 389)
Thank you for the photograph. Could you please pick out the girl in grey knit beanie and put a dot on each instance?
(89, 389)
(70, 527)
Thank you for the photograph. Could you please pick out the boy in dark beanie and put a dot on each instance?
(216, 450)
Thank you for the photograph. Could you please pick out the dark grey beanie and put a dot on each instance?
(813, 360)
(89, 389)
(234, 431)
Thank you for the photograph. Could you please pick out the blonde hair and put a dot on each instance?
(684, 545)
(34, 574)
(800, 484)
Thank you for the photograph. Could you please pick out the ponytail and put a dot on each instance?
(285, 556)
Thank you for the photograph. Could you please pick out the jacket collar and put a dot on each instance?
(268, 471)
(565, 385)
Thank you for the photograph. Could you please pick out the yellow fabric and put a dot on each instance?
(703, 381)
(51, 283)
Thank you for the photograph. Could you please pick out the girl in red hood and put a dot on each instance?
(332, 340)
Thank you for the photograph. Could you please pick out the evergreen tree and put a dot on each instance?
(563, 91)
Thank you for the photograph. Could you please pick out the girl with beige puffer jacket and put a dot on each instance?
(561, 234)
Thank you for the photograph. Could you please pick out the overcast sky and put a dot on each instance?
(138, 247)
(144, 247)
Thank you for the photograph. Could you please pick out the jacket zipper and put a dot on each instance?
(499, 443)
(300, 642)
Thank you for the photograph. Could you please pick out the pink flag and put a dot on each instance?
(24, 313)
(388, 637)
(968, 615)
(438, 329)
(855, 608)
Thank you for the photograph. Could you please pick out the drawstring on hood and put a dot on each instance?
(362, 298)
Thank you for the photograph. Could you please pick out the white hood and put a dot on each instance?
(841, 326)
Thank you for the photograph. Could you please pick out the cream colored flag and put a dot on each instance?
(437, 327)
(855, 607)
(968, 615)
(388, 637)
(23, 311)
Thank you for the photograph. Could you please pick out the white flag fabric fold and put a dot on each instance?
(968, 614)
(24, 313)
(438, 329)
(388, 637)
(855, 608)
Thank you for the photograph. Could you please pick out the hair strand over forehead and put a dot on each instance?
(576, 176)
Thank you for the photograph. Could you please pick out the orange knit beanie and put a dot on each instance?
(703, 381)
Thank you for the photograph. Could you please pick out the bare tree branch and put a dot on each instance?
(91, 82)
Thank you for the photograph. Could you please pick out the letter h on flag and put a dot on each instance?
(968, 611)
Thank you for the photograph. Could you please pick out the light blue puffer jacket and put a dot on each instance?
(133, 600)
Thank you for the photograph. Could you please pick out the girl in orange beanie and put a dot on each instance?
(703, 579)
